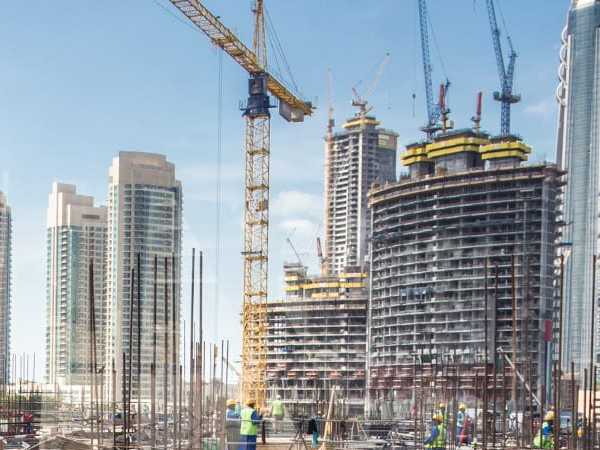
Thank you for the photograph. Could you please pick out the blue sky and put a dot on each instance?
(82, 80)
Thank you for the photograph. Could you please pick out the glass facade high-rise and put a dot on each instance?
(5, 287)
(76, 240)
(578, 148)
(144, 220)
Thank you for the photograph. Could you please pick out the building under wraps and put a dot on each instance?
(317, 340)
(468, 204)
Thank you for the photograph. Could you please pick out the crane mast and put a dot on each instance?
(434, 111)
(432, 115)
(505, 96)
(257, 116)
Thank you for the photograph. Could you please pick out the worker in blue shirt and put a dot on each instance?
(437, 437)
(232, 425)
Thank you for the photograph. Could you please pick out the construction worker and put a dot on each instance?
(250, 419)
(437, 437)
(277, 412)
(232, 425)
(313, 429)
(442, 411)
(462, 431)
(544, 438)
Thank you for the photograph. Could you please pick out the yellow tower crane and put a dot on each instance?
(256, 214)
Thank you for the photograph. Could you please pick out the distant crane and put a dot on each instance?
(505, 96)
(289, 241)
(476, 119)
(360, 101)
(322, 258)
(434, 111)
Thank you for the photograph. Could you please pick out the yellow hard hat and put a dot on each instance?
(549, 415)
(462, 407)
(231, 402)
(438, 417)
(442, 405)
(251, 402)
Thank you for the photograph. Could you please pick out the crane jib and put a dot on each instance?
(291, 107)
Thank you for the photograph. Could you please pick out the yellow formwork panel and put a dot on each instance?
(353, 275)
(508, 149)
(454, 142)
(320, 285)
(359, 121)
(353, 285)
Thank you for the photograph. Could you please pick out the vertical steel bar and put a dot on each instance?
(139, 348)
(191, 412)
(513, 397)
(174, 342)
(153, 365)
(129, 373)
(557, 406)
(114, 402)
(574, 408)
(166, 354)
(484, 411)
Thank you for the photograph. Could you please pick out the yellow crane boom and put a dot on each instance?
(258, 151)
(224, 38)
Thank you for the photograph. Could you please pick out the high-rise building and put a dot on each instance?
(356, 158)
(144, 221)
(316, 341)
(578, 152)
(468, 204)
(76, 241)
(5, 288)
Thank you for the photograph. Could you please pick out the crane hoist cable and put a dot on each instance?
(219, 193)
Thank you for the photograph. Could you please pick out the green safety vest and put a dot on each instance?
(277, 408)
(248, 427)
(440, 440)
(541, 441)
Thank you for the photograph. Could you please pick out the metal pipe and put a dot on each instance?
(124, 400)
(585, 409)
(592, 328)
(191, 411)
(514, 335)
(91, 346)
(129, 385)
(484, 429)
(574, 408)
(153, 365)
(166, 354)
(179, 418)
(174, 341)
(139, 348)
(202, 349)
(114, 402)
(557, 395)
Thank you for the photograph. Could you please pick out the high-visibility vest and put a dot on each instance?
(440, 439)
(248, 427)
(541, 441)
(277, 408)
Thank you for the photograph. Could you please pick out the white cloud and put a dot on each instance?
(298, 205)
(299, 227)
(541, 108)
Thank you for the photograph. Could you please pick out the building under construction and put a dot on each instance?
(355, 158)
(317, 341)
(467, 239)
